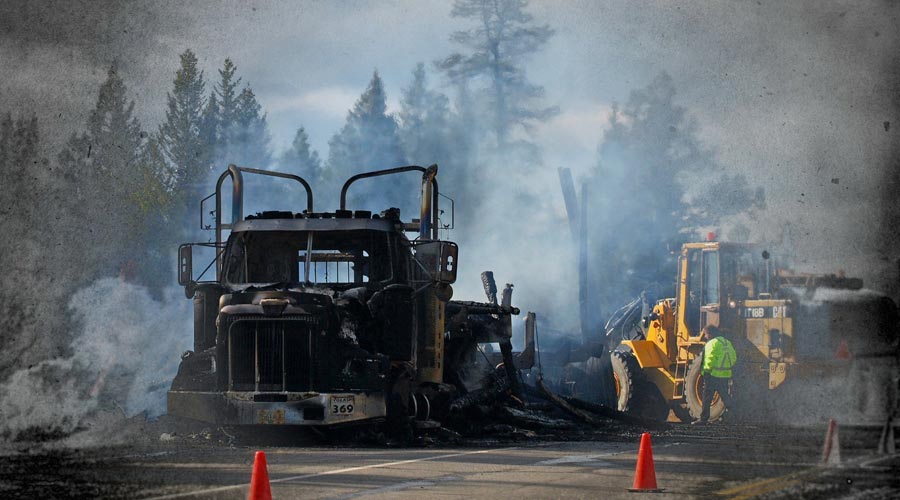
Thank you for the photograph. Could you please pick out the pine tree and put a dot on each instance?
(183, 136)
(226, 96)
(221, 114)
(157, 180)
(210, 132)
(369, 140)
(424, 122)
(465, 131)
(154, 201)
(29, 291)
(19, 163)
(432, 133)
(236, 126)
(504, 38)
(114, 129)
(634, 221)
(250, 144)
(300, 158)
(102, 163)
(727, 195)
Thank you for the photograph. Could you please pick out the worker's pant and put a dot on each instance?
(710, 387)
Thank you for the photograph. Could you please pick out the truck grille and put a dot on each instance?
(271, 354)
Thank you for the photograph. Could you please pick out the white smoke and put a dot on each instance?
(124, 327)
(125, 353)
(860, 387)
(864, 393)
(45, 397)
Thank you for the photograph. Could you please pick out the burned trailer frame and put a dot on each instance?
(277, 340)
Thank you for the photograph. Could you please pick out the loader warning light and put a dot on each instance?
(710, 236)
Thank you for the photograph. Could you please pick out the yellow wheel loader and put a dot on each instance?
(820, 342)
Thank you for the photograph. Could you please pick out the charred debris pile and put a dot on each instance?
(495, 411)
(508, 395)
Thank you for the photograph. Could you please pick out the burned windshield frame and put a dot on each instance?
(289, 260)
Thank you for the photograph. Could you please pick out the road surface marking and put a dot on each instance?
(330, 472)
(781, 482)
(765, 485)
(676, 459)
(578, 459)
(397, 487)
(868, 463)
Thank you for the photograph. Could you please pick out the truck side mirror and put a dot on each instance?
(185, 262)
(449, 256)
(439, 258)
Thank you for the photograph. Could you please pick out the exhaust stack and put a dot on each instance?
(427, 220)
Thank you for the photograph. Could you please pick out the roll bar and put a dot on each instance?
(237, 199)
(430, 194)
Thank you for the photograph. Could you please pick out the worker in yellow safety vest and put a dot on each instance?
(718, 359)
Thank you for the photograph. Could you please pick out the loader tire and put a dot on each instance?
(693, 392)
(636, 395)
(626, 372)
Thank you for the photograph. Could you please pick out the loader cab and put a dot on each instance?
(699, 290)
(713, 277)
(716, 277)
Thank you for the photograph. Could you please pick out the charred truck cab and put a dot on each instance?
(317, 319)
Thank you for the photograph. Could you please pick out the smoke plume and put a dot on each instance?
(125, 352)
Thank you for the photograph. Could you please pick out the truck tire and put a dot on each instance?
(693, 392)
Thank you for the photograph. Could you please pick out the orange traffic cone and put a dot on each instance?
(843, 351)
(831, 450)
(259, 481)
(644, 473)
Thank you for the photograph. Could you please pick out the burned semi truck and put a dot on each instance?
(327, 318)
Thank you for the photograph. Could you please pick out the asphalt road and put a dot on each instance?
(690, 462)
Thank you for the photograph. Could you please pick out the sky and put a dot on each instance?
(799, 96)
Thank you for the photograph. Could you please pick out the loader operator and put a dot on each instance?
(718, 359)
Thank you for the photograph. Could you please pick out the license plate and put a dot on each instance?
(270, 417)
(342, 405)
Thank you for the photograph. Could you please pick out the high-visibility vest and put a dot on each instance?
(718, 357)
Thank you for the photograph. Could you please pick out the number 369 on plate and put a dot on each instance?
(342, 405)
